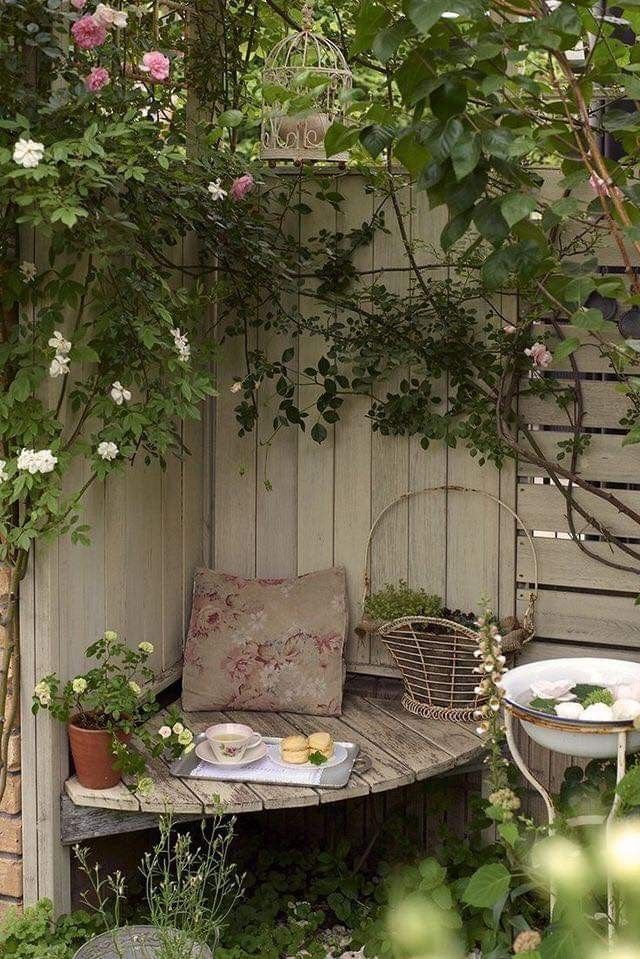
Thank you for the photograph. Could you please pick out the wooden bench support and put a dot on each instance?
(402, 749)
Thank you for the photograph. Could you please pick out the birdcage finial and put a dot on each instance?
(307, 17)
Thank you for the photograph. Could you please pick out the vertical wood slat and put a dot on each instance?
(390, 454)
(315, 462)
(352, 486)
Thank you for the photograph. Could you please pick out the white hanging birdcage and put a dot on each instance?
(303, 79)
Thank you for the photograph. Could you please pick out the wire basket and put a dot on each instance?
(436, 656)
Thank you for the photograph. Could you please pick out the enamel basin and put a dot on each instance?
(573, 737)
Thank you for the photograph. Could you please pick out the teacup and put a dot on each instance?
(230, 741)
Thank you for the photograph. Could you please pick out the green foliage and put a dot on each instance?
(599, 696)
(544, 705)
(394, 601)
(34, 934)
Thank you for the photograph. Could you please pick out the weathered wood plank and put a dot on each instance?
(456, 739)
(537, 650)
(81, 823)
(409, 747)
(602, 404)
(604, 459)
(118, 797)
(543, 507)
(585, 617)
(561, 563)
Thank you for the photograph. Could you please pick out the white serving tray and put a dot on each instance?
(266, 771)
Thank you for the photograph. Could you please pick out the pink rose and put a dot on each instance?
(88, 33)
(156, 65)
(78, 4)
(241, 186)
(97, 79)
(540, 355)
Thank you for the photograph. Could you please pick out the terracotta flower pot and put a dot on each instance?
(92, 756)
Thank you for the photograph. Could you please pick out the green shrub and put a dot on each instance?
(393, 601)
(35, 934)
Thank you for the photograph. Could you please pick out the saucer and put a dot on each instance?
(205, 752)
(339, 756)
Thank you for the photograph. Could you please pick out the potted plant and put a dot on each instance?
(104, 707)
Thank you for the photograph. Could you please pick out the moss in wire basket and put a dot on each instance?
(392, 602)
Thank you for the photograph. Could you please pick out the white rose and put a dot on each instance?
(185, 737)
(178, 728)
(42, 461)
(146, 648)
(109, 17)
(119, 393)
(133, 686)
(59, 366)
(237, 386)
(79, 684)
(181, 344)
(59, 344)
(164, 732)
(216, 191)
(28, 153)
(107, 450)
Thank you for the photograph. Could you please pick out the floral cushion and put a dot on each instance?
(266, 644)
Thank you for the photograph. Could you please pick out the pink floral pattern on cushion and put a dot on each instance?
(266, 644)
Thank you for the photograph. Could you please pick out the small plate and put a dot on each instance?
(339, 756)
(205, 752)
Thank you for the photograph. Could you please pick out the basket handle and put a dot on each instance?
(528, 618)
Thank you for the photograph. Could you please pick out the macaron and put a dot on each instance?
(295, 749)
(321, 742)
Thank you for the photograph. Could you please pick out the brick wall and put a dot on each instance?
(10, 812)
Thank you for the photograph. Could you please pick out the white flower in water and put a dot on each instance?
(626, 709)
(109, 17)
(79, 684)
(29, 271)
(178, 728)
(28, 153)
(119, 393)
(181, 344)
(59, 366)
(598, 713)
(146, 648)
(216, 191)
(164, 732)
(625, 690)
(558, 689)
(133, 686)
(569, 710)
(107, 450)
(3, 473)
(40, 461)
(59, 344)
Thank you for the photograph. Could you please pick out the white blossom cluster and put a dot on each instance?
(37, 461)
(28, 153)
(60, 363)
(110, 17)
(184, 736)
(490, 668)
(107, 450)
(29, 271)
(181, 344)
(43, 693)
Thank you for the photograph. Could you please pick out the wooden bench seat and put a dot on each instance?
(397, 748)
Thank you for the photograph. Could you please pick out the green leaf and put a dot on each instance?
(465, 155)
(448, 99)
(424, 13)
(339, 138)
(578, 289)
(388, 40)
(442, 143)
(375, 138)
(230, 118)
(411, 154)
(509, 832)
(455, 228)
(566, 348)
(371, 18)
(490, 222)
(629, 787)
(591, 320)
(562, 943)
(487, 886)
(318, 433)
(516, 207)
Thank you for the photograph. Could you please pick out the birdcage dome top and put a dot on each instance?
(307, 50)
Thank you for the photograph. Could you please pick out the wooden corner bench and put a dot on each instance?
(397, 749)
